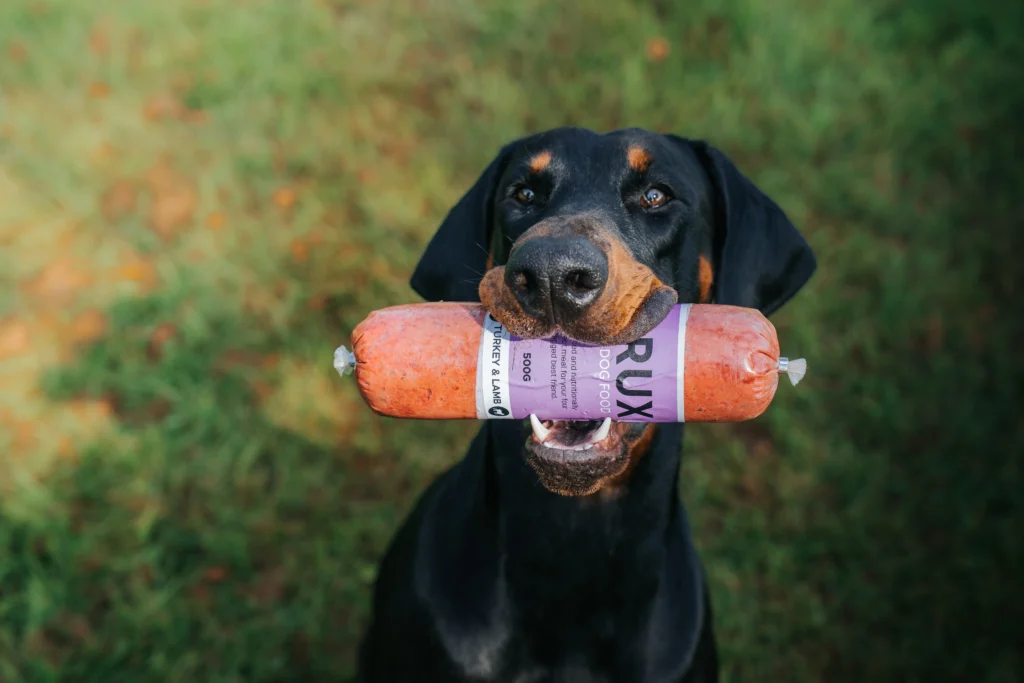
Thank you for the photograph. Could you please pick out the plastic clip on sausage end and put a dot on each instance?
(345, 361)
(444, 361)
(795, 369)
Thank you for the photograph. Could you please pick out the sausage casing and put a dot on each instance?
(443, 361)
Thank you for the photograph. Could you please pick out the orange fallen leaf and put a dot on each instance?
(75, 625)
(182, 81)
(174, 200)
(91, 410)
(17, 52)
(380, 269)
(66, 448)
(104, 152)
(88, 326)
(285, 197)
(14, 338)
(141, 272)
(269, 586)
(299, 250)
(60, 281)
(657, 49)
(172, 211)
(195, 116)
(118, 200)
(200, 593)
(99, 90)
(24, 435)
(163, 333)
(262, 389)
(99, 44)
(215, 574)
(162, 107)
(317, 302)
(234, 359)
(350, 252)
(91, 563)
(215, 221)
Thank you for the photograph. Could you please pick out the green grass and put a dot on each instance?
(199, 199)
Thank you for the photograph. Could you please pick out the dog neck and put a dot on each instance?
(616, 543)
(523, 567)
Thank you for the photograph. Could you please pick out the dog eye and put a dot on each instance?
(653, 198)
(523, 194)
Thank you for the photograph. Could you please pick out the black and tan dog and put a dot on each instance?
(541, 563)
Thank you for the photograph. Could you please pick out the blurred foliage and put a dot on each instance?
(199, 199)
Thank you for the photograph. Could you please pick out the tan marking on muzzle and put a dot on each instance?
(497, 298)
(501, 302)
(706, 277)
(612, 487)
(630, 284)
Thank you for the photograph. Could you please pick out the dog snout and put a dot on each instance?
(557, 278)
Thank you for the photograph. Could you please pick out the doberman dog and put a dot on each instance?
(533, 563)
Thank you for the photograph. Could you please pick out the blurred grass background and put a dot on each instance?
(199, 199)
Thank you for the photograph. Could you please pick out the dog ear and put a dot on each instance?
(761, 259)
(456, 257)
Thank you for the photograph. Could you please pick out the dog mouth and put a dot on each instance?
(573, 440)
(578, 457)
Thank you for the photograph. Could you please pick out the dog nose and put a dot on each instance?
(556, 276)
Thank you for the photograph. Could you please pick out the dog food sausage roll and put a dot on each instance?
(443, 361)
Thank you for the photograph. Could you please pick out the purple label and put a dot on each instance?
(559, 379)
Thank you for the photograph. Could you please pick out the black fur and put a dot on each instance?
(494, 578)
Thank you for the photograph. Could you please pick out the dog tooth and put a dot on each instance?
(540, 432)
(602, 432)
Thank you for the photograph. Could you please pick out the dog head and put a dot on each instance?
(597, 236)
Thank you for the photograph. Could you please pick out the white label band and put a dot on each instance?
(493, 401)
(684, 314)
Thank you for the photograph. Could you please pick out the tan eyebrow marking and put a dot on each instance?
(540, 161)
(639, 158)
